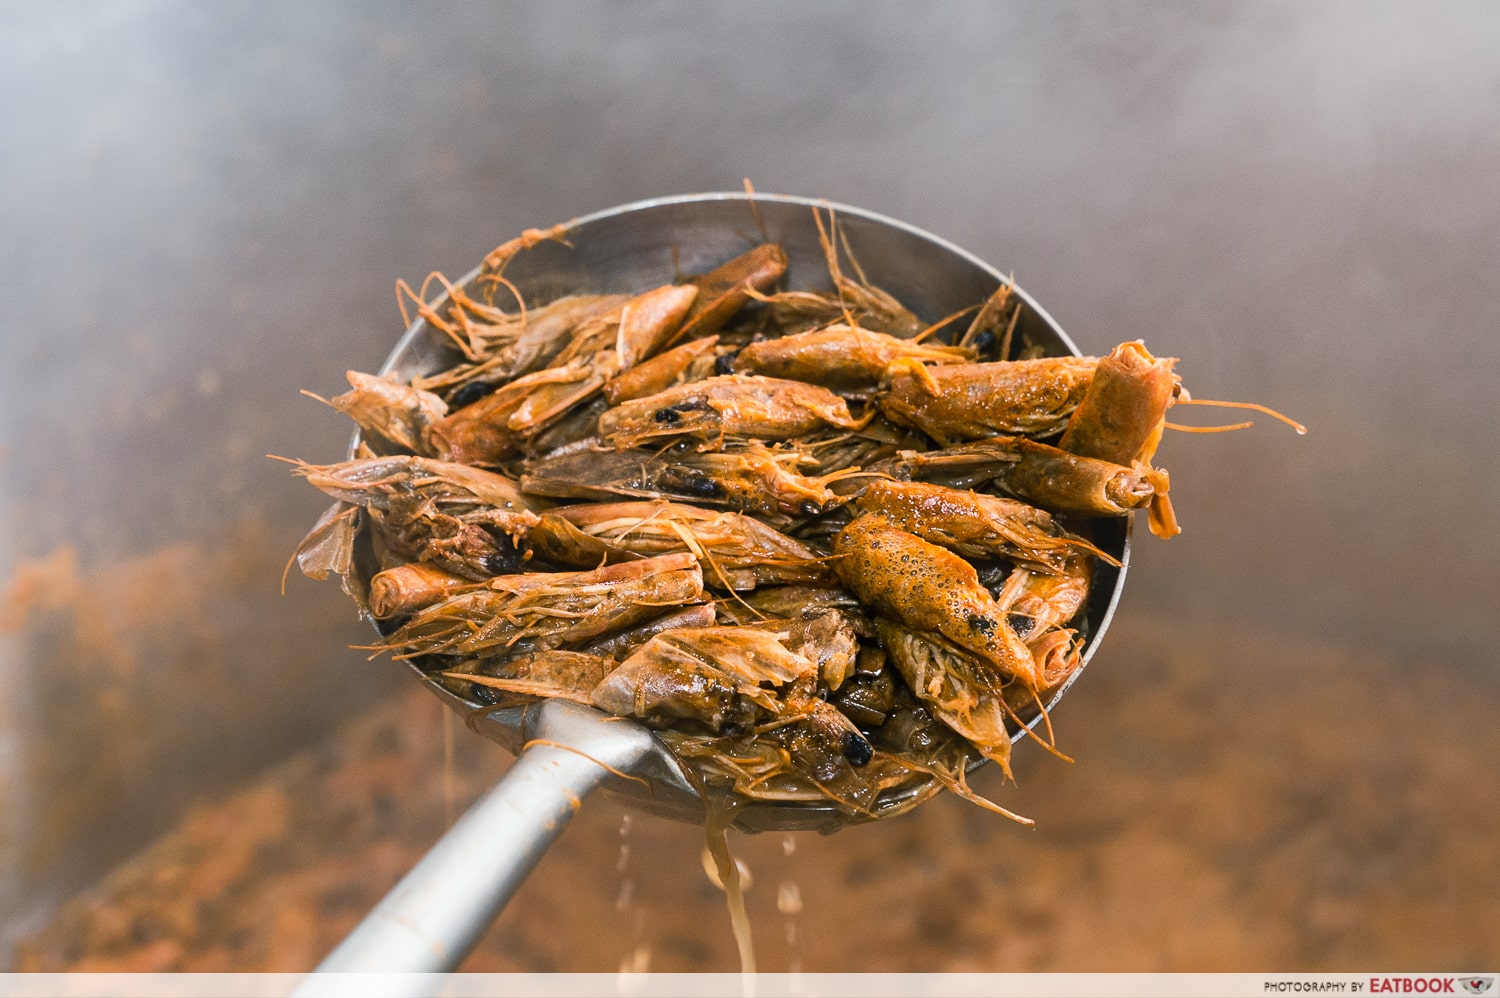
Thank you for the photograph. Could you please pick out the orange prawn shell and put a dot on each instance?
(929, 588)
(958, 402)
(1121, 415)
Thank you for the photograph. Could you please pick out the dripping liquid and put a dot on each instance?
(449, 794)
(716, 831)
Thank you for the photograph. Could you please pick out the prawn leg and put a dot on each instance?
(954, 685)
(993, 329)
(495, 261)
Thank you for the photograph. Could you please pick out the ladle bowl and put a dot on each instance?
(630, 249)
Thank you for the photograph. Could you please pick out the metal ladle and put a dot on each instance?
(429, 922)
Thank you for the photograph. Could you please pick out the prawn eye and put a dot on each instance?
(668, 416)
(982, 624)
(699, 484)
(505, 559)
(469, 393)
(495, 564)
(1020, 623)
(724, 363)
(483, 694)
(857, 750)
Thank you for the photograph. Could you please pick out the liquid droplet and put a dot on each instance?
(636, 962)
(788, 898)
(788, 844)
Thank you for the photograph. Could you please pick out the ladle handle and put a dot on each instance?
(431, 920)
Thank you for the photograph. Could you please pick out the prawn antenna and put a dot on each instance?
(515, 292)
(1010, 329)
(843, 238)
(402, 290)
(317, 398)
(1030, 732)
(831, 255)
(424, 310)
(946, 320)
(602, 765)
(760, 223)
(1181, 428)
(1255, 406)
(959, 785)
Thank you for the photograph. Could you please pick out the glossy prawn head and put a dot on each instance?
(500, 424)
(741, 406)
(464, 520)
(928, 588)
(972, 524)
(1121, 419)
(736, 552)
(548, 610)
(390, 410)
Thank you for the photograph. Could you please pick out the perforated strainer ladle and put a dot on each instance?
(434, 916)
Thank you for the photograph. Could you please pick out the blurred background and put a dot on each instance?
(1286, 748)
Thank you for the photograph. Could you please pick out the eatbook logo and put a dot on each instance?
(1477, 985)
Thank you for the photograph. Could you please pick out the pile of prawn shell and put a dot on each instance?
(752, 763)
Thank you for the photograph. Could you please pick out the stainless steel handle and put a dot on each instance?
(431, 920)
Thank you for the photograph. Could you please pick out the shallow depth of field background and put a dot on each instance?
(1286, 750)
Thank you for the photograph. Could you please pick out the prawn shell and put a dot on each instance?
(929, 588)
(413, 586)
(840, 357)
(955, 686)
(1120, 417)
(727, 288)
(390, 410)
(657, 374)
(970, 524)
(729, 405)
(1038, 473)
(961, 402)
